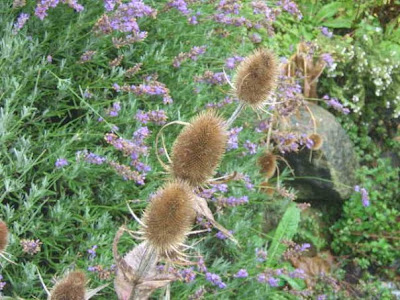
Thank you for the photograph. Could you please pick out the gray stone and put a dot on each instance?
(328, 177)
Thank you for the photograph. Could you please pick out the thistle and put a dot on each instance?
(72, 287)
(317, 141)
(199, 148)
(268, 165)
(168, 218)
(256, 78)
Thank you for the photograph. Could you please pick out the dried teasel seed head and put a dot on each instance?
(317, 141)
(198, 149)
(72, 287)
(268, 188)
(267, 162)
(256, 78)
(3, 236)
(169, 217)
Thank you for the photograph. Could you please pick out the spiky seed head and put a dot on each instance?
(198, 149)
(169, 217)
(3, 236)
(267, 163)
(256, 78)
(317, 141)
(72, 287)
(267, 188)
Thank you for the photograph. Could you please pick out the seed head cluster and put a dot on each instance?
(169, 217)
(198, 149)
(72, 287)
(256, 78)
(267, 162)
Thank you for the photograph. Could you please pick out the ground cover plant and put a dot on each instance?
(130, 128)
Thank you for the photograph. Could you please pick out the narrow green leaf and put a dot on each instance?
(286, 230)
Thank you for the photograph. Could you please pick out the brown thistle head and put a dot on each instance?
(72, 287)
(317, 141)
(169, 217)
(267, 163)
(198, 149)
(256, 78)
(3, 236)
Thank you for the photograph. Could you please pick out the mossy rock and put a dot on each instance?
(326, 176)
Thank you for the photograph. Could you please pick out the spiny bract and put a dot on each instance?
(199, 148)
(169, 217)
(256, 78)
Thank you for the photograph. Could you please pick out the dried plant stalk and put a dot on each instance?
(199, 148)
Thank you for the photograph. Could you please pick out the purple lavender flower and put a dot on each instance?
(180, 5)
(255, 38)
(187, 275)
(247, 182)
(333, 102)
(109, 5)
(22, 19)
(222, 236)
(326, 57)
(261, 278)
(87, 95)
(201, 267)
(92, 252)
(90, 157)
(232, 201)
(157, 116)
(193, 20)
(273, 282)
(233, 140)
(297, 273)
(231, 62)
(49, 59)
(304, 247)
(114, 110)
(242, 273)
(2, 284)
(251, 147)
(291, 8)
(215, 280)
(325, 31)
(364, 197)
(61, 162)
(261, 255)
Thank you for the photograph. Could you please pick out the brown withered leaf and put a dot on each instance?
(315, 266)
(201, 208)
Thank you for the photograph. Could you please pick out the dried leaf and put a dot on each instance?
(313, 267)
(201, 208)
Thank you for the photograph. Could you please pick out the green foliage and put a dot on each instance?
(371, 233)
(285, 231)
